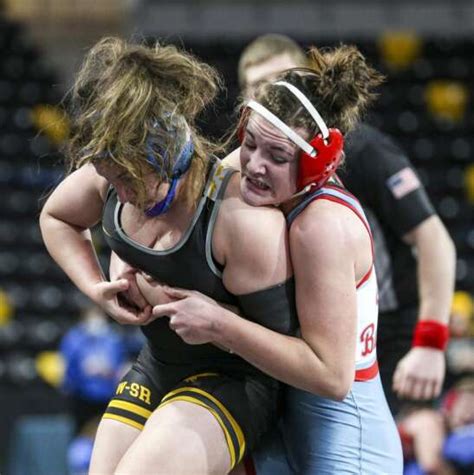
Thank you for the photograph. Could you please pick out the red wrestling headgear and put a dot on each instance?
(320, 157)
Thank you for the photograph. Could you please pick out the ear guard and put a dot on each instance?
(320, 157)
(316, 170)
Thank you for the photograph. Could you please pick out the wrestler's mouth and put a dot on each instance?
(256, 183)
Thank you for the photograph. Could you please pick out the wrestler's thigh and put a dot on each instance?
(112, 441)
(181, 438)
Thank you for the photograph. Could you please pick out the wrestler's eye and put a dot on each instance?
(249, 144)
(279, 159)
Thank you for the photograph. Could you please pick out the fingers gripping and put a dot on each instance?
(111, 289)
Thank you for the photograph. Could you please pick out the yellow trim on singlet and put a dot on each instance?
(230, 444)
(233, 422)
(199, 375)
(124, 420)
(216, 181)
(131, 407)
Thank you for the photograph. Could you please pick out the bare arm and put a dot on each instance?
(323, 360)
(74, 207)
(436, 256)
(71, 210)
(420, 374)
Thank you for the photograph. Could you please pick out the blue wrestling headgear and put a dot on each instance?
(180, 167)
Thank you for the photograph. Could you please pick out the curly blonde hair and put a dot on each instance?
(126, 93)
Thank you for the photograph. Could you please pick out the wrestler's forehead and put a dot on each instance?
(270, 135)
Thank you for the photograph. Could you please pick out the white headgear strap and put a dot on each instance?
(279, 124)
(308, 106)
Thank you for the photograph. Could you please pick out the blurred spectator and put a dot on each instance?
(423, 433)
(440, 442)
(95, 355)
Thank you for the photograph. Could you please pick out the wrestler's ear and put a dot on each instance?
(243, 120)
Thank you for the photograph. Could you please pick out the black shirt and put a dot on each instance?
(380, 175)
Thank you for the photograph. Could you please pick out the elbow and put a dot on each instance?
(342, 381)
(45, 222)
(336, 385)
(337, 392)
(46, 226)
(43, 218)
(340, 390)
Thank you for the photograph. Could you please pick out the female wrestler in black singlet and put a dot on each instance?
(167, 208)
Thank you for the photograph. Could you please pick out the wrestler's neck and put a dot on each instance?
(294, 200)
(287, 206)
(180, 212)
(180, 209)
(298, 197)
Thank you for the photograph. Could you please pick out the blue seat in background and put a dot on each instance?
(38, 445)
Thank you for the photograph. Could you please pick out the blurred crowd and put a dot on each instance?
(95, 352)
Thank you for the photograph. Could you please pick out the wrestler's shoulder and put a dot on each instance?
(234, 205)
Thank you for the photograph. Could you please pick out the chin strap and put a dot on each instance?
(163, 205)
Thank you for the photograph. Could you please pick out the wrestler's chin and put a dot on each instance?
(255, 196)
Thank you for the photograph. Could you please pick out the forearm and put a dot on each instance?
(436, 271)
(286, 358)
(73, 251)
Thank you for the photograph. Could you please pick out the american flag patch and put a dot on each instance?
(403, 182)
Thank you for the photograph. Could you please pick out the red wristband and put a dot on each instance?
(432, 334)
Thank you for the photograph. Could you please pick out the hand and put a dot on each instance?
(193, 316)
(107, 296)
(119, 269)
(419, 374)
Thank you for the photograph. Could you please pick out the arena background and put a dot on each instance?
(426, 48)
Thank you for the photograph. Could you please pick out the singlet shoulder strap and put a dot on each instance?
(337, 194)
(334, 193)
(218, 180)
(215, 190)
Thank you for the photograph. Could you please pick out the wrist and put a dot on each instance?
(92, 290)
(222, 333)
(431, 334)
